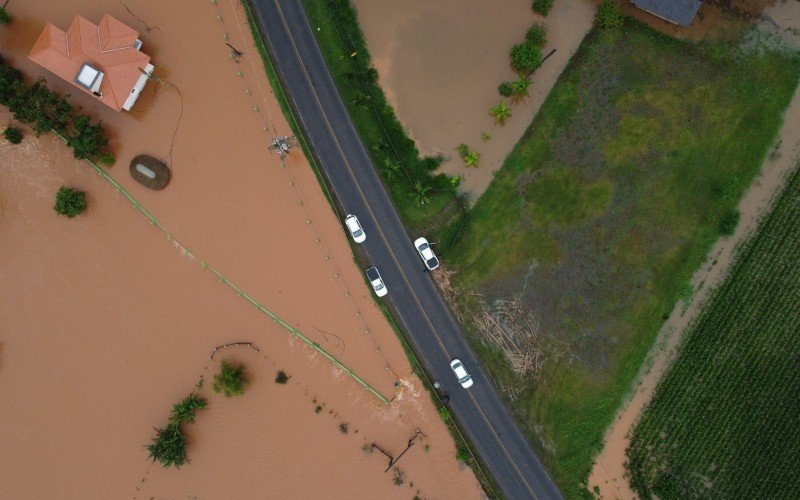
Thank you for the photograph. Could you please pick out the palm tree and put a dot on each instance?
(520, 87)
(455, 181)
(471, 159)
(390, 168)
(500, 112)
(421, 192)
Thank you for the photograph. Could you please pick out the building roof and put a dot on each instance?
(680, 12)
(109, 47)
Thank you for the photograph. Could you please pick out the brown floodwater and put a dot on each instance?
(105, 322)
(440, 62)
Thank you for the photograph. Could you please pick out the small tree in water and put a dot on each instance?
(70, 202)
(500, 112)
(169, 445)
(230, 380)
(186, 409)
(5, 17)
(13, 135)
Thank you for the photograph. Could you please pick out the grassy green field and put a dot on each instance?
(725, 419)
(426, 201)
(603, 211)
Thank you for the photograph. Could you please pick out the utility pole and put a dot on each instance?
(282, 145)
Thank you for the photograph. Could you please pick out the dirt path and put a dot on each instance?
(440, 63)
(609, 470)
(105, 323)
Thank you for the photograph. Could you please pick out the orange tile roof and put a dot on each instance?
(107, 46)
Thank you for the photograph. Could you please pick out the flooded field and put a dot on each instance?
(105, 322)
(440, 63)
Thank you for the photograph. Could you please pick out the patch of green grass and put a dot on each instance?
(603, 211)
(721, 421)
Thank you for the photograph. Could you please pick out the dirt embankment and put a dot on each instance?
(105, 322)
(608, 475)
(440, 63)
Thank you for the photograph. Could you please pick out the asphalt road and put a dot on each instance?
(425, 317)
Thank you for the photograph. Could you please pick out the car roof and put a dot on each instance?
(372, 273)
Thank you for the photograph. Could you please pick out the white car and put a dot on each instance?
(424, 250)
(464, 378)
(356, 231)
(376, 281)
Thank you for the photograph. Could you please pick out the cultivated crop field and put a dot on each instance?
(725, 420)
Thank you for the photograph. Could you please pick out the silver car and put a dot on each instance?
(464, 378)
(425, 252)
(376, 281)
(354, 226)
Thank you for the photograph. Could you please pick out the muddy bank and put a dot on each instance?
(105, 322)
(609, 469)
(440, 64)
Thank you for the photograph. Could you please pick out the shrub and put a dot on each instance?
(186, 409)
(367, 449)
(609, 15)
(542, 6)
(281, 377)
(317, 409)
(398, 477)
(106, 158)
(728, 222)
(88, 138)
(444, 414)
(230, 380)
(13, 135)
(462, 454)
(525, 57)
(537, 35)
(5, 17)
(505, 89)
(169, 446)
(344, 428)
(70, 202)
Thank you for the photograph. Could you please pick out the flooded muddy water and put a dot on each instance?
(440, 63)
(105, 322)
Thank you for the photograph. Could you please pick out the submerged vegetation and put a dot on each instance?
(723, 420)
(231, 379)
(70, 202)
(169, 444)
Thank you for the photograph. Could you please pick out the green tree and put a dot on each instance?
(421, 193)
(169, 446)
(525, 57)
(13, 135)
(87, 139)
(542, 6)
(106, 158)
(70, 202)
(187, 408)
(5, 17)
(390, 168)
(500, 112)
(281, 377)
(728, 222)
(520, 87)
(537, 35)
(609, 15)
(469, 156)
(231, 380)
(505, 89)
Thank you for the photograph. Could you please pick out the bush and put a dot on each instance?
(505, 89)
(88, 138)
(609, 15)
(525, 57)
(344, 428)
(13, 135)
(5, 17)
(169, 446)
(728, 222)
(444, 414)
(230, 380)
(398, 477)
(70, 202)
(542, 6)
(106, 158)
(281, 377)
(537, 35)
(462, 454)
(186, 409)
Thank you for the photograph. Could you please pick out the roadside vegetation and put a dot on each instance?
(724, 419)
(427, 202)
(589, 233)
